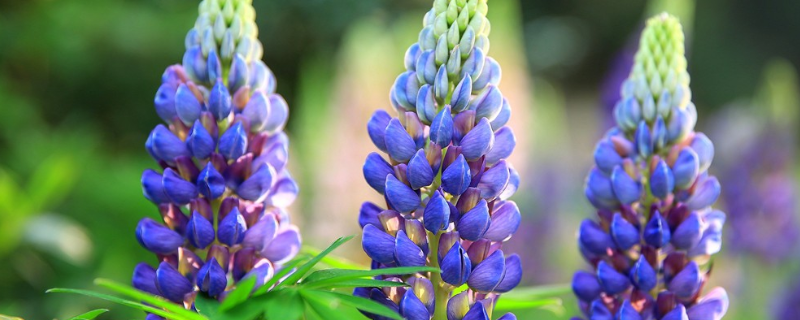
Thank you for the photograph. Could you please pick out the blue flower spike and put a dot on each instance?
(224, 155)
(651, 243)
(442, 167)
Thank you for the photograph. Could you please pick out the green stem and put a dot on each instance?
(440, 289)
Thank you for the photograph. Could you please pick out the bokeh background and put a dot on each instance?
(78, 77)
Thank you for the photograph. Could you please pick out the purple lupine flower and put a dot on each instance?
(655, 230)
(761, 196)
(224, 188)
(788, 302)
(444, 177)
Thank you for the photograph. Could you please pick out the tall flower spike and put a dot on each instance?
(443, 172)
(225, 187)
(655, 230)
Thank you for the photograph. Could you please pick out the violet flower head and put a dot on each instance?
(655, 230)
(761, 197)
(444, 175)
(224, 188)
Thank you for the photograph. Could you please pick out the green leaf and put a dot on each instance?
(329, 276)
(207, 306)
(240, 294)
(306, 267)
(355, 283)
(321, 306)
(51, 181)
(128, 303)
(333, 261)
(283, 304)
(504, 304)
(5, 317)
(532, 293)
(358, 303)
(146, 297)
(288, 267)
(89, 315)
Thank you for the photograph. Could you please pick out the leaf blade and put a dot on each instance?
(303, 269)
(123, 302)
(146, 297)
(89, 315)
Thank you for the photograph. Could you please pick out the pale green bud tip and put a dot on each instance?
(227, 27)
(661, 56)
(660, 67)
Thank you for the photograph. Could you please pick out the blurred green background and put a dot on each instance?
(78, 77)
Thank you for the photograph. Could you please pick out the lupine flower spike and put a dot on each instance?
(651, 243)
(224, 185)
(444, 176)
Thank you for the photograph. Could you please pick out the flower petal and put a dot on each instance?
(504, 143)
(611, 281)
(505, 221)
(494, 180)
(284, 247)
(399, 144)
(585, 286)
(232, 228)
(401, 196)
(406, 252)
(456, 266)
(419, 171)
(233, 143)
(377, 244)
(210, 182)
(474, 223)
(623, 232)
(488, 274)
(144, 278)
(477, 141)
(376, 126)
(172, 285)
(157, 238)
(456, 177)
(153, 187)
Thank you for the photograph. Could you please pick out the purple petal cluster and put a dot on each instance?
(443, 174)
(223, 187)
(761, 196)
(655, 230)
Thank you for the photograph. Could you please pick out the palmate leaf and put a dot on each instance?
(89, 315)
(128, 303)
